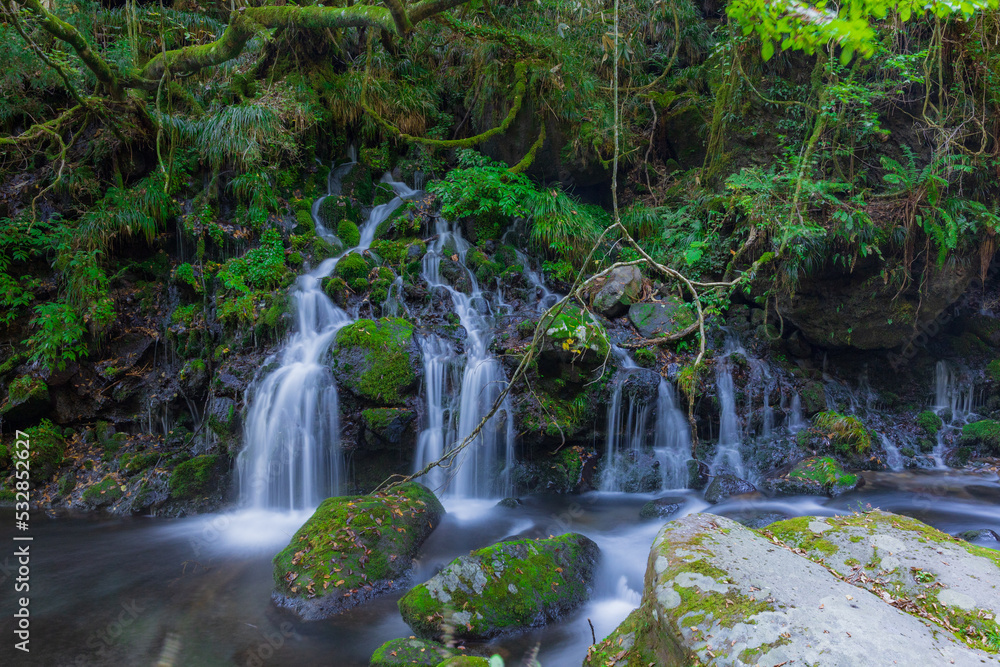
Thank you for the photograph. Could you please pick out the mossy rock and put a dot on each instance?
(388, 426)
(351, 267)
(106, 492)
(813, 398)
(845, 435)
(575, 343)
(984, 434)
(334, 209)
(373, 359)
(406, 652)
(505, 587)
(27, 399)
(818, 475)
(348, 233)
(46, 450)
(336, 288)
(465, 661)
(195, 477)
(930, 422)
(354, 548)
(664, 318)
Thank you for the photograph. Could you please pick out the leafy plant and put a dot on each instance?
(57, 337)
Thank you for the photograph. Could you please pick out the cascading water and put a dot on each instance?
(672, 443)
(953, 402)
(727, 455)
(894, 458)
(292, 456)
(796, 421)
(483, 468)
(438, 358)
(626, 427)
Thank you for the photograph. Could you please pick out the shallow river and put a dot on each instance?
(196, 591)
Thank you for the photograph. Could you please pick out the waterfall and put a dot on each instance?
(894, 459)
(545, 298)
(953, 402)
(796, 421)
(438, 356)
(333, 186)
(483, 468)
(672, 443)
(727, 455)
(291, 458)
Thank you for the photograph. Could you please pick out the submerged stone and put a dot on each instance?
(502, 588)
(819, 475)
(661, 508)
(352, 549)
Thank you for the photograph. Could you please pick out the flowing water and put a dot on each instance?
(200, 586)
(954, 402)
(482, 469)
(727, 456)
(291, 457)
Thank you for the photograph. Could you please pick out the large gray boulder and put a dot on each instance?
(612, 294)
(506, 587)
(718, 593)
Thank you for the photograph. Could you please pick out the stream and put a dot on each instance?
(196, 590)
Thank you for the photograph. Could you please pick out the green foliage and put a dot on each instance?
(261, 268)
(46, 450)
(482, 188)
(57, 338)
(127, 213)
(789, 24)
(372, 358)
(846, 433)
(352, 267)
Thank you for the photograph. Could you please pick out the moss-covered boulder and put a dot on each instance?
(27, 399)
(195, 477)
(984, 435)
(818, 475)
(385, 427)
(502, 588)
(411, 652)
(352, 549)
(106, 492)
(718, 593)
(661, 508)
(929, 422)
(662, 318)
(843, 435)
(574, 345)
(375, 360)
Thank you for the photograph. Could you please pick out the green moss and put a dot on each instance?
(193, 478)
(352, 266)
(45, 454)
(985, 433)
(105, 492)
(25, 388)
(796, 532)
(993, 370)
(410, 652)
(67, 483)
(929, 422)
(518, 584)
(825, 471)
(576, 332)
(304, 222)
(136, 463)
(354, 542)
(645, 357)
(379, 366)
(393, 252)
(348, 233)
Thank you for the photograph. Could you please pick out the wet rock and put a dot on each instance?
(612, 295)
(813, 398)
(352, 549)
(411, 652)
(510, 503)
(389, 426)
(223, 418)
(698, 474)
(376, 360)
(507, 587)
(817, 476)
(663, 318)
(981, 535)
(726, 486)
(27, 400)
(712, 597)
(661, 508)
